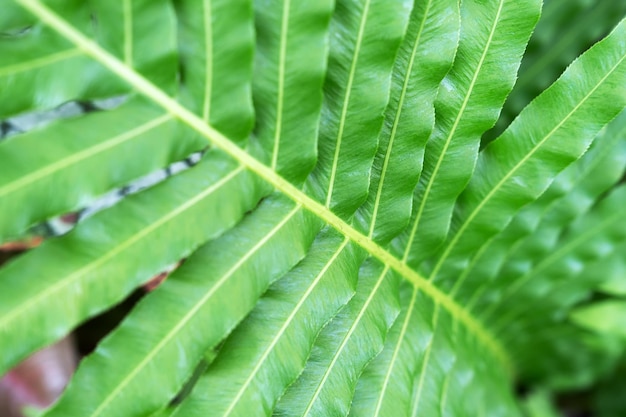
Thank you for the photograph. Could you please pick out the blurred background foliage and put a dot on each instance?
(566, 29)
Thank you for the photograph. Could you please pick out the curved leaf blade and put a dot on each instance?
(30, 63)
(566, 30)
(188, 313)
(56, 170)
(109, 248)
(535, 228)
(595, 235)
(424, 57)
(516, 168)
(493, 37)
(355, 98)
(216, 42)
(344, 348)
(286, 322)
(290, 66)
(385, 388)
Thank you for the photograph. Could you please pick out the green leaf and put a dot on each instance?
(424, 57)
(344, 348)
(605, 317)
(195, 298)
(468, 103)
(290, 64)
(566, 29)
(540, 404)
(32, 60)
(216, 41)
(285, 326)
(117, 26)
(14, 19)
(536, 228)
(422, 363)
(315, 279)
(365, 34)
(41, 174)
(557, 281)
(591, 237)
(102, 260)
(385, 387)
(517, 167)
(613, 271)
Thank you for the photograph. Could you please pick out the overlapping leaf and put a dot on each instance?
(513, 172)
(468, 103)
(357, 94)
(212, 287)
(566, 29)
(100, 262)
(535, 229)
(216, 40)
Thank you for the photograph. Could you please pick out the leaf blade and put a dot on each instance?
(498, 183)
(290, 66)
(285, 331)
(217, 66)
(105, 248)
(196, 295)
(357, 92)
(424, 57)
(35, 186)
(467, 104)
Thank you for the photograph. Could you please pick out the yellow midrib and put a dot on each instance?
(145, 87)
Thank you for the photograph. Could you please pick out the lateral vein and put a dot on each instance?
(217, 139)
(40, 62)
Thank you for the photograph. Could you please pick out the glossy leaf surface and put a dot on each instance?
(344, 247)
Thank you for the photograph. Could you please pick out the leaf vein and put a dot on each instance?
(396, 122)
(145, 87)
(346, 102)
(285, 325)
(80, 156)
(509, 174)
(457, 121)
(72, 278)
(39, 62)
(148, 357)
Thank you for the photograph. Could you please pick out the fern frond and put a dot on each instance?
(349, 248)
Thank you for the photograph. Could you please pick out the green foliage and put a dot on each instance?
(352, 248)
